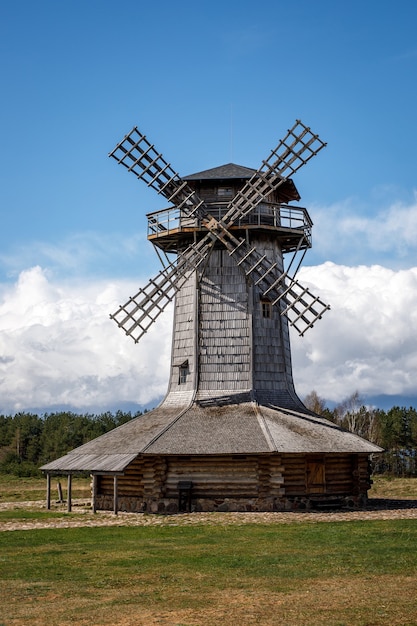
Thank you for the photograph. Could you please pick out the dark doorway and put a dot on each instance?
(184, 496)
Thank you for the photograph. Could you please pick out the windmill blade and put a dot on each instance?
(295, 301)
(141, 310)
(300, 306)
(139, 156)
(293, 151)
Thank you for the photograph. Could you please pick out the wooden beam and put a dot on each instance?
(48, 491)
(69, 495)
(115, 494)
(94, 494)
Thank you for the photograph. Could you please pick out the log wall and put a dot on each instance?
(239, 483)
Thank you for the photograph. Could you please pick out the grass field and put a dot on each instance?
(16, 489)
(360, 573)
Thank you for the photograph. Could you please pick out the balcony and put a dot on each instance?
(168, 227)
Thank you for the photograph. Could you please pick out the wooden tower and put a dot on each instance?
(230, 338)
(231, 433)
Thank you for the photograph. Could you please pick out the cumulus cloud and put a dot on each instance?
(348, 231)
(58, 346)
(368, 341)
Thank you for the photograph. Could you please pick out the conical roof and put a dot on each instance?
(242, 428)
(232, 171)
(223, 172)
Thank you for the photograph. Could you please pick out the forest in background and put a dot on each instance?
(394, 430)
(28, 440)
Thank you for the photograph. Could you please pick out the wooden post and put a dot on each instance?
(69, 503)
(48, 491)
(115, 494)
(94, 494)
(59, 488)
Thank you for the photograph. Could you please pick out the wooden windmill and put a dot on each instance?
(228, 228)
(231, 433)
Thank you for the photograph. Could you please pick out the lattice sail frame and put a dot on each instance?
(139, 156)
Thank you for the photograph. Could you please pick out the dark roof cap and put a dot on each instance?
(229, 170)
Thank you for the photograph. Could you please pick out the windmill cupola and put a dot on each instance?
(231, 432)
(221, 184)
(172, 228)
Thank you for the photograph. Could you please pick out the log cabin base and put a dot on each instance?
(229, 505)
(244, 483)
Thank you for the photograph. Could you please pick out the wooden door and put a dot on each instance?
(315, 476)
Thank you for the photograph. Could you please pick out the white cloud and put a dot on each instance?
(368, 341)
(346, 230)
(59, 347)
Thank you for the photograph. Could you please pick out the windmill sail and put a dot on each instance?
(293, 151)
(141, 310)
(139, 156)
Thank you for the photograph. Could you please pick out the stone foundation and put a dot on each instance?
(167, 506)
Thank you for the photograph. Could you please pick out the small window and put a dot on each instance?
(266, 308)
(183, 372)
(225, 192)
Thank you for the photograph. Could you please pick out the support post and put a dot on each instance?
(94, 493)
(48, 491)
(115, 495)
(69, 496)
(59, 489)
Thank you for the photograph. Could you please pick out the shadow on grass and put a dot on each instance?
(380, 504)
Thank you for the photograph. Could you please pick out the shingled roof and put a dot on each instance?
(232, 171)
(245, 428)
(223, 172)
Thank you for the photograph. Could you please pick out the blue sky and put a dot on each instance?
(209, 83)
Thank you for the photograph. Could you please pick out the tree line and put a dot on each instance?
(394, 430)
(28, 440)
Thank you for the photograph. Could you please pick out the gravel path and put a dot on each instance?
(82, 516)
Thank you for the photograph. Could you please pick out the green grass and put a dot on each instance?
(25, 515)
(352, 574)
(356, 573)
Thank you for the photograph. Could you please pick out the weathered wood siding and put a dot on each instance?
(226, 476)
(130, 484)
(344, 474)
(271, 342)
(212, 476)
(226, 482)
(224, 327)
(184, 342)
(219, 329)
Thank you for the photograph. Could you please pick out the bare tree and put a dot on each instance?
(314, 403)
